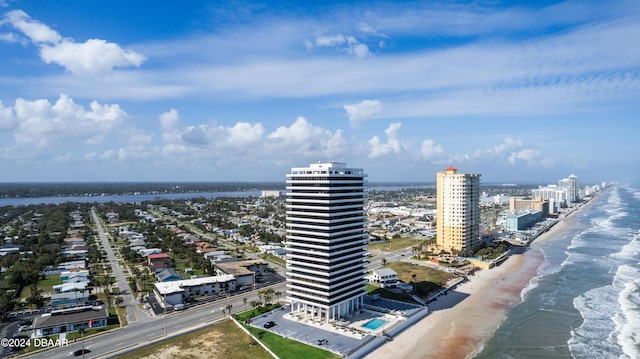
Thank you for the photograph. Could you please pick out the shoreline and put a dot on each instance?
(461, 321)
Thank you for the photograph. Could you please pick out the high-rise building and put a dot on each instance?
(570, 185)
(458, 210)
(326, 240)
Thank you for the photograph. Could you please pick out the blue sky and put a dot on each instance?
(243, 91)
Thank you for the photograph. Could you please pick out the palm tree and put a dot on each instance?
(229, 306)
(413, 280)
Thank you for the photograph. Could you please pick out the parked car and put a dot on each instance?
(270, 324)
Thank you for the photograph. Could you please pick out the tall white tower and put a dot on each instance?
(326, 240)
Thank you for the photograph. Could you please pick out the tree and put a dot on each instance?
(413, 280)
(229, 306)
(35, 298)
(6, 305)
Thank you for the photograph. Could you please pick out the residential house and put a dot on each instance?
(384, 277)
(69, 299)
(158, 260)
(168, 275)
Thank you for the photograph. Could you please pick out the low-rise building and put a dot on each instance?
(179, 291)
(244, 271)
(522, 220)
(70, 320)
(168, 275)
(69, 299)
(384, 277)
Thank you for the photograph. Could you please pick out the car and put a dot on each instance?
(270, 324)
(80, 352)
(178, 306)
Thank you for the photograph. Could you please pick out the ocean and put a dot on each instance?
(585, 300)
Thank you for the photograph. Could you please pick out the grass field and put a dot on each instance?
(396, 244)
(427, 279)
(224, 340)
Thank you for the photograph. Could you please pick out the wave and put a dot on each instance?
(628, 319)
(593, 339)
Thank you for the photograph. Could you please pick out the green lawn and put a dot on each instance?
(277, 260)
(396, 244)
(427, 279)
(384, 293)
(288, 348)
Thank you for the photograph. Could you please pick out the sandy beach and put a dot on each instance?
(463, 319)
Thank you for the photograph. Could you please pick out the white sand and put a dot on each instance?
(463, 319)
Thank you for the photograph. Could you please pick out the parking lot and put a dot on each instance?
(321, 335)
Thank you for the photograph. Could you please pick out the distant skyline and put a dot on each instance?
(518, 91)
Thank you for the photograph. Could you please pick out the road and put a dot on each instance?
(143, 328)
(142, 333)
(134, 314)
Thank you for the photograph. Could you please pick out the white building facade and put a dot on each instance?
(326, 240)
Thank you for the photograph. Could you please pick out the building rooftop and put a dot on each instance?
(178, 285)
(239, 268)
(383, 272)
(81, 314)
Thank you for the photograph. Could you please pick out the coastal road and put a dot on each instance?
(125, 339)
(395, 256)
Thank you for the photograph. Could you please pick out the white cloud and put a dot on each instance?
(208, 140)
(330, 41)
(511, 152)
(91, 57)
(6, 117)
(36, 31)
(40, 125)
(304, 138)
(363, 110)
(527, 155)
(8, 37)
(393, 145)
(348, 44)
(431, 150)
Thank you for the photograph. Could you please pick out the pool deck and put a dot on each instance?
(348, 339)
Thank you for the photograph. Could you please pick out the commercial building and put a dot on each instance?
(326, 240)
(524, 204)
(179, 291)
(458, 210)
(70, 320)
(522, 220)
(245, 272)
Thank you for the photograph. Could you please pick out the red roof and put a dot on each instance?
(159, 255)
(451, 169)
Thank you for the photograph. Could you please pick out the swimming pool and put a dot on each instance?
(374, 324)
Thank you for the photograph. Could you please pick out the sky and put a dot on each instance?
(517, 91)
